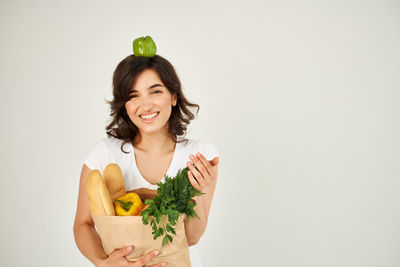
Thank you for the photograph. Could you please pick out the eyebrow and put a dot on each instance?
(151, 87)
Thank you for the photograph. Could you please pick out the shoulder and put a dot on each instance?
(110, 145)
(106, 150)
(114, 146)
(207, 148)
(112, 141)
(99, 145)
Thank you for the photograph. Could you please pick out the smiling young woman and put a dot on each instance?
(149, 119)
(149, 104)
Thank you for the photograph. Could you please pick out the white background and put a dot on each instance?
(301, 98)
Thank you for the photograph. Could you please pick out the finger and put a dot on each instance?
(200, 167)
(145, 259)
(193, 181)
(206, 174)
(197, 175)
(214, 161)
(205, 162)
(161, 264)
(194, 170)
(118, 253)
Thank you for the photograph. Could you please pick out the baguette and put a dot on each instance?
(114, 181)
(100, 202)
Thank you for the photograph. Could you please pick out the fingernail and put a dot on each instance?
(163, 264)
(156, 253)
(128, 248)
(198, 154)
(191, 157)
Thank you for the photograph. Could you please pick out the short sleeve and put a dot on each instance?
(209, 150)
(97, 156)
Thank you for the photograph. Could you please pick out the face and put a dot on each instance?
(149, 103)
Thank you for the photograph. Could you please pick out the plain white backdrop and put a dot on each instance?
(301, 98)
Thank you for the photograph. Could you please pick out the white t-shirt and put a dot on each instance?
(108, 150)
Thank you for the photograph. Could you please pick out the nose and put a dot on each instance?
(146, 103)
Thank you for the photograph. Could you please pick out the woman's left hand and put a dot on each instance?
(204, 172)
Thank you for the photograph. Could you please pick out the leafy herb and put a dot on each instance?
(174, 197)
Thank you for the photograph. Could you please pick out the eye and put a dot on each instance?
(131, 96)
(156, 91)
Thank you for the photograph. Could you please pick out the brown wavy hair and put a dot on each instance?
(128, 69)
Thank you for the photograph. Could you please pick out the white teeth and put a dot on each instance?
(149, 116)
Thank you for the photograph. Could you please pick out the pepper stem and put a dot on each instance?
(126, 205)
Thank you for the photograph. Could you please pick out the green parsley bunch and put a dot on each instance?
(174, 197)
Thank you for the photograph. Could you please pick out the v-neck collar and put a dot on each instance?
(174, 156)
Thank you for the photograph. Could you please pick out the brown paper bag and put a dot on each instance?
(120, 231)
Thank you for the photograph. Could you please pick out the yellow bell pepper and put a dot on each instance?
(128, 204)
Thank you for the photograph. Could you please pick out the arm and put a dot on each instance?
(86, 237)
(203, 177)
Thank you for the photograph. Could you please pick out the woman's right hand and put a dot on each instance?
(117, 258)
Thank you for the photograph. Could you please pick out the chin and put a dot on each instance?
(151, 130)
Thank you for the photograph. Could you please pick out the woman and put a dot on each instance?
(150, 115)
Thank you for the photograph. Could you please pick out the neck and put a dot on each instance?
(154, 143)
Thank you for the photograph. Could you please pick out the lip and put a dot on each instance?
(149, 120)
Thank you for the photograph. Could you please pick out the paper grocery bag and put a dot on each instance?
(120, 231)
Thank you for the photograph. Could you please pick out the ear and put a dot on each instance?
(174, 99)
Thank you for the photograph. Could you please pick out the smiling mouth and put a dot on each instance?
(149, 117)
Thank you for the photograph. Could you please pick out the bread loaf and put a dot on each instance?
(100, 202)
(114, 181)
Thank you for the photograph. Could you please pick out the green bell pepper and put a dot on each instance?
(144, 47)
